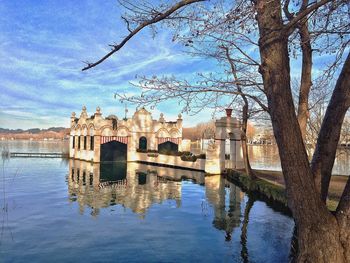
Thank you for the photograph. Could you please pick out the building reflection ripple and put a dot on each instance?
(137, 186)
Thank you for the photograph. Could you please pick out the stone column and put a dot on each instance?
(88, 138)
(235, 145)
(215, 161)
(225, 127)
(97, 148)
(239, 155)
(132, 146)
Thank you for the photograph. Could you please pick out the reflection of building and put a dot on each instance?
(226, 217)
(138, 186)
(92, 138)
(132, 185)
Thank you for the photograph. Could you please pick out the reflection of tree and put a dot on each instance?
(244, 230)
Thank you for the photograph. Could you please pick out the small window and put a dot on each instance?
(73, 138)
(84, 142)
(79, 139)
(92, 143)
(143, 143)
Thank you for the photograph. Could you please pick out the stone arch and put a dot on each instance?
(107, 130)
(162, 133)
(84, 129)
(174, 133)
(78, 130)
(123, 131)
(91, 126)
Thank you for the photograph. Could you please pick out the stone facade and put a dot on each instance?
(88, 133)
(225, 128)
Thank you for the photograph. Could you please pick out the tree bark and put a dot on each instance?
(319, 234)
(328, 138)
(305, 81)
(343, 217)
(247, 166)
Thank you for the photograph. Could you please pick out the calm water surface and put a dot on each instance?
(71, 211)
(266, 157)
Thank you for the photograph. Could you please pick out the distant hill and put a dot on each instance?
(35, 133)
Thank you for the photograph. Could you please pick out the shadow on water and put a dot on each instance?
(137, 186)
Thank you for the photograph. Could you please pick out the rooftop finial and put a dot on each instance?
(161, 118)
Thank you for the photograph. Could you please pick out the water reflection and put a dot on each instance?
(137, 186)
(226, 216)
(201, 219)
(132, 185)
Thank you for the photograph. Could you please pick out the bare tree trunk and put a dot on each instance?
(343, 217)
(305, 82)
(328, 138)
(247, 166)
(245, 117)
(319, 233)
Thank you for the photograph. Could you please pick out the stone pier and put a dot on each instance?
(226, 128)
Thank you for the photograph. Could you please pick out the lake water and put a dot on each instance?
(266, 157)
(56, 210)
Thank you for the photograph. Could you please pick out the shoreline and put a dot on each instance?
(270, 184)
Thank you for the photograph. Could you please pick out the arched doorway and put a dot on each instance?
(113, 151)
(168, 147)
(143, 143)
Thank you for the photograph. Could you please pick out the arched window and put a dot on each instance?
(143, 143)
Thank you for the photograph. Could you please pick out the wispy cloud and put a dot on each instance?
(43, 44)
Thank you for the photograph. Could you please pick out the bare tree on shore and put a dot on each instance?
(322, 236)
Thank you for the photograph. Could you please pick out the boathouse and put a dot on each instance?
(98, 139)
(143, 139)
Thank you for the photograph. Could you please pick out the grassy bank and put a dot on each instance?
(269, 190)
(271, 185)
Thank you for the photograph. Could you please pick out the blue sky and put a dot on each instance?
(43, 44)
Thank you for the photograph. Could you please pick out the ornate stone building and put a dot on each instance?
(143, 139)
(95, 138)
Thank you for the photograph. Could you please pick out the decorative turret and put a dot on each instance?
(179, 121)
(161, 118)
(83, 113)
(72, 119)
(98, 113)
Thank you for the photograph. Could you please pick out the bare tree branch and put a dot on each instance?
(157, 18)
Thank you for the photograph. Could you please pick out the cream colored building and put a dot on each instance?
(144, 139)
(90, 134)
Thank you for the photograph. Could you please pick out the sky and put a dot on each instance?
(43, 44)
